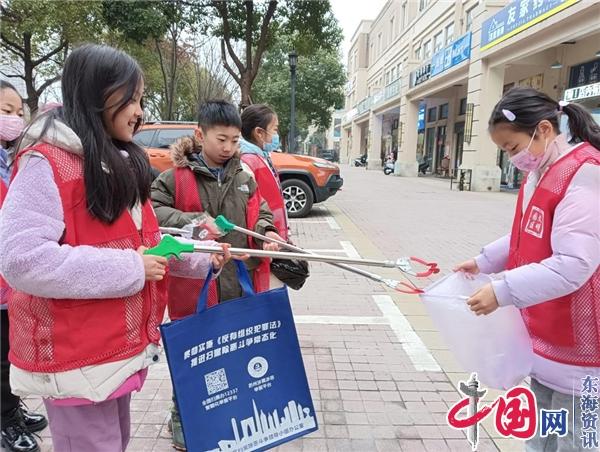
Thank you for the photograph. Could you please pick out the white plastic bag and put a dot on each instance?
(496, 346)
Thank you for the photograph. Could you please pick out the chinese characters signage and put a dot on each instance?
(582, 92)
(455, 53)
(517, 17)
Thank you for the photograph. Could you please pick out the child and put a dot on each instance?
(86, 301)
(259, 138)
(18, 424)
(550, 259)
(208, 177)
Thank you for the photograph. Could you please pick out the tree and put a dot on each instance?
(36, 37)
(319, 87)
(309, 25)
(161, 25)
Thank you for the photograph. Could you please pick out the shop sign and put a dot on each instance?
(517, 17)
(421, 75)
(585, 74)
(582, 92)
(455, 53)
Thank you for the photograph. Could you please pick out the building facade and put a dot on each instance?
(425, 75)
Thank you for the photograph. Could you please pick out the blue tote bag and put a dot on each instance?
(238, 374)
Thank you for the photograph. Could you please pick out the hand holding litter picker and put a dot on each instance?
(202, 227)
(404, 264)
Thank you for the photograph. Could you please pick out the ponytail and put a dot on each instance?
(582, 125)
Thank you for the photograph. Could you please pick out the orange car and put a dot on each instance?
(305, 180)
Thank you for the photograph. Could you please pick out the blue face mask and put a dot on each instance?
(273, 145)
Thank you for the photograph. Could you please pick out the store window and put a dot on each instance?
(469, 18)
(432, 114)
(462, 108)
(450, 33)
(444, 111)
(427, 50)
(438, 41)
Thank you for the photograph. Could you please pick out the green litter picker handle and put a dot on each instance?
(170, 247)
(224, 224)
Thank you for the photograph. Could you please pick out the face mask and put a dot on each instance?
(525, 160)
(11, 127)
(273, 145)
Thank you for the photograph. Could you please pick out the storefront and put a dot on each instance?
(584, 86)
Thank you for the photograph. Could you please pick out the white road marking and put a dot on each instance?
(333, 224)
(350, 250)
(392, 316)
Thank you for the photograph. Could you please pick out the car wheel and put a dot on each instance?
(298, 197)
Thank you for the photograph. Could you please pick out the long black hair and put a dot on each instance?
(253, 116)
(523, 108)
(113, 182)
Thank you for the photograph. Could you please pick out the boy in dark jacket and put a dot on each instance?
(208, 176)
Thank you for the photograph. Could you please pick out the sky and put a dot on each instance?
(349, 13)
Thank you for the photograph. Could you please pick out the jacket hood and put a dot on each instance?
(182, 148)
(247, 147)
(58, 134)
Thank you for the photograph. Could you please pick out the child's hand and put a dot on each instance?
(155, 267)
(469, 267)
(267, 246)
(218, 260)
(483, 301)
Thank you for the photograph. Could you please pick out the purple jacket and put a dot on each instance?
(575, 239)
(32, 259)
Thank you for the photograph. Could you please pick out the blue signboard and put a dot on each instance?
(518, 16)
(455, 53)
(238, 373)
(421, 116)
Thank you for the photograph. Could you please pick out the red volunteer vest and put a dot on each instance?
(4, 289)
(270, 190)
(566, 329)
(53, 335)
(184, 292)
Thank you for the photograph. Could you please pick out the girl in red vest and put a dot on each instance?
(259, 138)
(550, 260)
(18, 424)
(87, 302)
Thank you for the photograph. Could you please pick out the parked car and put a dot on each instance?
(305, 180)
(328, 154)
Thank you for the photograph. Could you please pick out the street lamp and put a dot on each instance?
(293, 59)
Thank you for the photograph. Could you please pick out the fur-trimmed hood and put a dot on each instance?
(186, 146)
(182, 148)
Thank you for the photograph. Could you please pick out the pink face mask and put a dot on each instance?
(525, 160)
(11, 127)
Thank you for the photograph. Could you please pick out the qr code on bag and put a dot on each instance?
(216, 381)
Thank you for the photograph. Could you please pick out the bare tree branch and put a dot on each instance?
(228, 68)
(262, 42)
(12, 75)
(11, 46)
(221, 7)
(46, 84)
(46, 57)
(249, 13)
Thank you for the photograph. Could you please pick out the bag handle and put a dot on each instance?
(243, 279)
